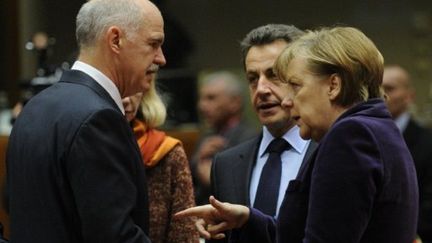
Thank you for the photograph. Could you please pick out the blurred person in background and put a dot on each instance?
(398, 87)
(167, 168)
(221, 103)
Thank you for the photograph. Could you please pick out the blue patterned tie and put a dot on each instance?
(268, 188)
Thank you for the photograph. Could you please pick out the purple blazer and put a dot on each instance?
(359, 186)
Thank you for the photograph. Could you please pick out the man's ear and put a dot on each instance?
(335, 86)
(114, 38)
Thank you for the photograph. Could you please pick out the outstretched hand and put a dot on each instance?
(216, 217)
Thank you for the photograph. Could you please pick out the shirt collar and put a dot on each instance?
(402, 121)
(102, 80)
(292, 136)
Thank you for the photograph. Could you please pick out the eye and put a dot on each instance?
(252, 79)
(270, 75)
(154, 45)
(294, 85)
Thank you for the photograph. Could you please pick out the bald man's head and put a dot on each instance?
(397, 86)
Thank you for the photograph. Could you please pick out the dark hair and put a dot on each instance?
(267, 34)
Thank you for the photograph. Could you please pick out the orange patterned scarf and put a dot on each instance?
(153, 144)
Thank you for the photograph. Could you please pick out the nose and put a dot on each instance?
(160, 58)
(263, 85)
(287, 103)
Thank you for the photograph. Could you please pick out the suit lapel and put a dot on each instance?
(311, 148)
(243, 170)
(411, 132)
(309, 156)
(79, 77)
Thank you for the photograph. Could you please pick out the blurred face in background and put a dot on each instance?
(264, 85)
(131, 105)
(216, 105)
(396, 84)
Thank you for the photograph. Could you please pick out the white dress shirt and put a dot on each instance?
(402, 121)
(102, 80)
(291, 161)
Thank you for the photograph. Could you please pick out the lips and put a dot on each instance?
(267, 105)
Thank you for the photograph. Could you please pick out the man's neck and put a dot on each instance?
(278, 130)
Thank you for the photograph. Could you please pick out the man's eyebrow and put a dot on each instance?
(251, 71)
(157, 38)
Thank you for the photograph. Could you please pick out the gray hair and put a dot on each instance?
(233, 84)
(96, 16)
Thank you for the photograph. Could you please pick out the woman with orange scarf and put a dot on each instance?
(168, 174)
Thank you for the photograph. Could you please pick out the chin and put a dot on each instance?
(305, 134)
(145, 88)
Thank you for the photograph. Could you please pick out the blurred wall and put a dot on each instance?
(402, 30)
(57, 19)
(9, 60)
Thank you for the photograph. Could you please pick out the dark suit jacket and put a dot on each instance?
(231, 173)
(74, 171)
(419, 142)
(359, 186)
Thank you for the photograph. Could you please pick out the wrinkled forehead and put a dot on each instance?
(264, 55)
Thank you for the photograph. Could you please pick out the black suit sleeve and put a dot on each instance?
(213, 178)
(102, 171)
(215, 192)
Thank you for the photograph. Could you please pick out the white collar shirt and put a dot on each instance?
(291, 161)
(102, 80)
(402, 121)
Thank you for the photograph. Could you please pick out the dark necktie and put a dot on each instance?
(268, 188)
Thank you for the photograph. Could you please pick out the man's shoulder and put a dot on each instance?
(241, 133)
(247, 146)
(69, 105)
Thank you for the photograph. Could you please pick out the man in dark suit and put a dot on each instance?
(236, 172)
(398, 86)
(74, 171)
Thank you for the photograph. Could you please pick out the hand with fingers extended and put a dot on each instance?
(216, 217)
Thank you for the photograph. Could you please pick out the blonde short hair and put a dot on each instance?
(152, 107)
(345, 51)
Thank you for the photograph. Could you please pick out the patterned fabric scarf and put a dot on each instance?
(154, 144)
